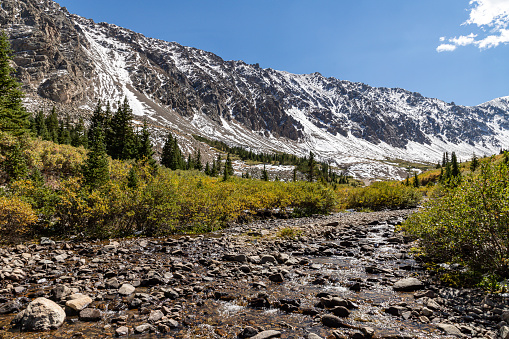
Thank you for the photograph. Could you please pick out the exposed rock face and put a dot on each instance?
(42, 315)
(66, 59)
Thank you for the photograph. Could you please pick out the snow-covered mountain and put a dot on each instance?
(66, 59)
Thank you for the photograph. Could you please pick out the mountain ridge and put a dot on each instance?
(64, 58)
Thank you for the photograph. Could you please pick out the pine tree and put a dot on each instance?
(98, 120)
(171, 156)
(145, 151)
(78, 134)
(132, 178)
(265, 175)
(474, 164)
(40, 126)
(213, 171)
(96, 168)
(52, 125)
(189, 163)
(197, 160)
(311, 166)
(207, 169)
(455, 170)
(13, 116)
(228, 165)
(416, 180)
(218, 164)
(294, 174)
(122, 140)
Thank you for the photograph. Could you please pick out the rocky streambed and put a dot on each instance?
(347, 275)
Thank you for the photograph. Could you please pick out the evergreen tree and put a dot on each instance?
(122, 142)
(40, 126)
(265, 175)
(167, 153)
(218, 164)
(145, 151)
(475, 163)
(228, 165)
(207, 168)
(407, 181)
(197, 160)
(171, 156)
(52, 125)
(132, 178)
(13, 116)
(189, 163)
(14, 163)
(311, 167)
(96, 168)
(416, 180)
(455, 170)
(64, 131)
(98, 120)
(78, 134)
(213, 171)
(294, 174)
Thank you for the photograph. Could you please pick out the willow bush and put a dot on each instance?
(468, 224)
(379, 195)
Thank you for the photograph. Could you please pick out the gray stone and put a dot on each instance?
(408, 285)
(277, 277)
(79, 303)
(333, 321)
(268, 259)
(121, 331)
(450, 329)
(41, 315)
(341, 311)
(155, 316)
(267, 335)
(504, 332)
(126, 289)
(143, 328)
(313, 336)
(248, 332)
(90, 314)
(12, 306)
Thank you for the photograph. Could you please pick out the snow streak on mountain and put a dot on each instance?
(66, 59)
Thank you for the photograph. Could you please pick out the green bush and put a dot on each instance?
(380, 195)
(468, 224)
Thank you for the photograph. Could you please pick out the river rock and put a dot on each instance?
(79, 303)
(450, 329)
(408, 285)
(341, 311)
(42, 315)
(277, 277)
(121, 331)
(313, 336)
(10, 307)
(248, 332)
(504, 332)
(126, 289)
(268, 259)
(333, 321)
(267, 335)
(90, 314)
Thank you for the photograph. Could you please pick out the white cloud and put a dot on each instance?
(446, 48)
(491, 18)
(464, 40)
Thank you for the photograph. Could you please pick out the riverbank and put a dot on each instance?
(338, 276)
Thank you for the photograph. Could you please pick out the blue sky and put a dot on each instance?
(451, 50)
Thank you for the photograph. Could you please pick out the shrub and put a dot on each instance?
(16, 217)
(468, 224)
(380, 195)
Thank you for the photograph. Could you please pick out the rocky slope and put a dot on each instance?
(66, 59)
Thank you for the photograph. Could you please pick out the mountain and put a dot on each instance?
(64, 59)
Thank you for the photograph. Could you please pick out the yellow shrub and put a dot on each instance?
(16, 216)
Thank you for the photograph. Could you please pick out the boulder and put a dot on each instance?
(90, 314)
(42, 315)
(78, 304)
(408, 285)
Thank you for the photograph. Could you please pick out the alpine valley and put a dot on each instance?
(66, 60)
